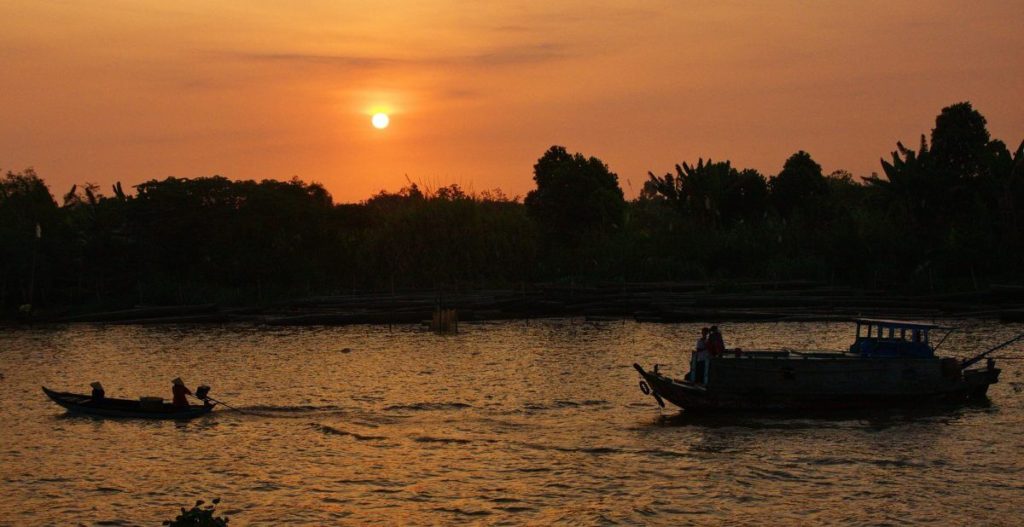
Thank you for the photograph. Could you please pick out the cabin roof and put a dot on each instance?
(896, 323)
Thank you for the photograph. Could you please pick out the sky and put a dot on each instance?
(134, 90)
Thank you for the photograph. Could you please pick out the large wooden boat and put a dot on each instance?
(890, 363)
(108, 407)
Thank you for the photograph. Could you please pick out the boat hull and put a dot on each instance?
(786, 384)
(125, 408)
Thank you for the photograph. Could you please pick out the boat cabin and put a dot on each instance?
(893, 338)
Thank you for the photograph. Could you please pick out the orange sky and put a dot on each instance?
(138, 89)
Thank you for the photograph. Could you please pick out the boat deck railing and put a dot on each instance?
(787, 354)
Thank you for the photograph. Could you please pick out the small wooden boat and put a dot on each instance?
(108, 407)
(890, 363)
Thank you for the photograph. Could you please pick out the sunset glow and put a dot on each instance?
(575, 262)
(130, 91)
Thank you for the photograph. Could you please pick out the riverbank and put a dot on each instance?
(664, 302)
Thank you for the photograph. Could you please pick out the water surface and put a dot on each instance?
(507, 423)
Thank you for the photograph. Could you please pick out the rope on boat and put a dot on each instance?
(967, 363)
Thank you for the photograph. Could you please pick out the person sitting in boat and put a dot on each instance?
(97, 391)
(179, 390)
(700, 357)
(716, 346)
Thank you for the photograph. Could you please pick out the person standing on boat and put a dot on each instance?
(179, 390)
(700, 357)
(716, 346)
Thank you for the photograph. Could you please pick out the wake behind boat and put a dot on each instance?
(890, 363)
(109, 407)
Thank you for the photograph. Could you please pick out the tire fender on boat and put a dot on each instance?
(646, 388)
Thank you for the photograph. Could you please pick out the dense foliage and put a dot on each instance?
(943, 216)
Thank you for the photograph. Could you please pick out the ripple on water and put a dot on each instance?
(885, 463)
(443, 440)
(529, 469)
(661, 452)
(463, 512)
(768, 474)
(286, 411)
(515, 509)
(578, 404)
(425, 407)
(337, 431)
(554, 430)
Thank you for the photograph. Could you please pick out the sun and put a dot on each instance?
(380, 120)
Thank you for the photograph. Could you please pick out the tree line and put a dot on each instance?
(942, 216)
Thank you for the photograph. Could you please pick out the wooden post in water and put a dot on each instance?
(445, 321)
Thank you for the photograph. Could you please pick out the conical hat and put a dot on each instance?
(96, 385)
(178, 381)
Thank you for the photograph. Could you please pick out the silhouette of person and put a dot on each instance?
(700, 357)
(98, 394)
(716, 346)
(180, 391)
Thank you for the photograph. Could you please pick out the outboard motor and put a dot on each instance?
(202, 391)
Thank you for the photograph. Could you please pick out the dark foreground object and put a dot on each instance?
(79, 403)
(824, 389)
(891, 365)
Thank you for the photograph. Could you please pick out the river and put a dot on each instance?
(508, 423)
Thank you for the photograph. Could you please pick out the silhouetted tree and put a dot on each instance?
(798, 186)
(577, 204)
(577, 207)
(413, 238)
(28, 225)
(960, 140)
(944, 215)
(574, 194)
(712, 193)
(912, 184)
(98, 243)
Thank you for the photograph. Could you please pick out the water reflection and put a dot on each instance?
(505, 423)
(874, 418)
